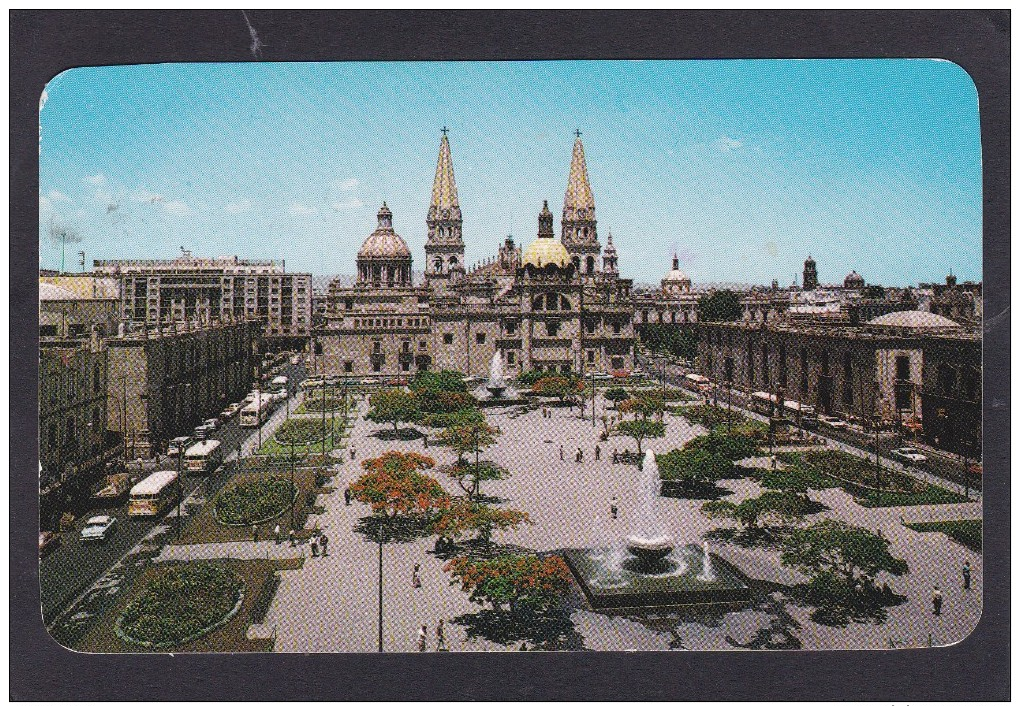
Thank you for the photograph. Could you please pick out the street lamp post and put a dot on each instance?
(380, 537)
(293, 488)
(593, 398)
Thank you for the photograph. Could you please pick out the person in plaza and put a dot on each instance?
(293, 537)
(347, 496)
(440, 637)
(598, 452)
(422, 638)
(580, 455)
(276, 533)
(323, 542)
(561, 452)
(613, 509)
(425, 440)
(314, 544)
(616, 456)
(352, 452)
(966, 575)
(415, 577)
(936, 601)
(254, 533)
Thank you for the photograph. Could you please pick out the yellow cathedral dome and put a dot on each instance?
(545, 251)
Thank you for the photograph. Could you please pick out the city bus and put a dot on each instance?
(153, 494)
(203, 457)
(256, 411)
(278, 383)
(698, 382)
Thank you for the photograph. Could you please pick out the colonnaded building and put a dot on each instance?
(558, 304)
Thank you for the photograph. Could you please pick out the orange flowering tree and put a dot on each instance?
(463, 517)
(563, 388)
(394, 485)
(512, 580)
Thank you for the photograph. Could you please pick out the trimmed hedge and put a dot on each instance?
(254, 501)
(183, 604)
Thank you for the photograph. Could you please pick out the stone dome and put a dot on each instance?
(546, 251)
(384, 243)
(853, 280)
(913, 320)
(676, 274)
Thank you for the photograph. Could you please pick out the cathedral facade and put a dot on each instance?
(558, 304)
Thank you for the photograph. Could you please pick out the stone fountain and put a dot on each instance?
(496, 391)
(647, 566)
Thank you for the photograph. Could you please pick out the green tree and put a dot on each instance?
(693, 469)
(471, 439)
(768, 512)
(720, 305)
(393, 407)
(616, 395)
(461, 417)
(837, 555)
(441, 381)
(563, 388)
(641, 429)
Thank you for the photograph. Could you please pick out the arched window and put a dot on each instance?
(591, 264)
(537, 303)
(552, 302)
(438, 264)
(564, 303)
(577, 262)
(453, 262)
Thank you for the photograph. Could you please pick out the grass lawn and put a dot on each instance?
(312, 404)
(966, 532)
(857, 476)
(204, 527)
(260, 582)
(307, 433)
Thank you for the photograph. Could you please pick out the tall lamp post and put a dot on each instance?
(380, 538)
(593, 398)
(293, 488)
(180, 474)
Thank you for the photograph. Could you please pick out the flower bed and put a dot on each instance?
(254, 501)
(181, 605)
(300, 431)
(313, 404)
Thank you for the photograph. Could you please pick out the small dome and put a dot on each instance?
(384, 243)
(853, 280)
(676, 276)
(913, 320)
(546, 251)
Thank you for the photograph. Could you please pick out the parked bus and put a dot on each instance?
(203, 457)
(153, 494)
(256, 411)
(698, 382)
(278, 383)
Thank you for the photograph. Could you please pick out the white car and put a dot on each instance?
(910, 455)
(98, 528)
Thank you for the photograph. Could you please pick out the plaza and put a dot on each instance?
(330, 603)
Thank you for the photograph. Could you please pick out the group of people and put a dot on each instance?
(319, 543)
(423, 637)
(579, 455)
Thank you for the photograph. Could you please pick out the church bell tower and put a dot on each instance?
(578, 226)
(444, 249)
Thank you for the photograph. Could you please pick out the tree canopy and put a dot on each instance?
(512, 580)
(770, 510)
(720, 305)
(394, 485)
(616, 395)
(466, 517)
(393, 407)
(640, 429)
(833, 551)
(441, 381)
(678, 341)
(471, 438)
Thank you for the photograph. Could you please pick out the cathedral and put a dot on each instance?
(558, 304)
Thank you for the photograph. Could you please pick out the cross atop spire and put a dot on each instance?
(577, 133)
(445, 130)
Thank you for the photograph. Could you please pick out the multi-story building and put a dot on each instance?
(885, 368)
(73, 441)
(71, 306)
(207, 289)
(165, 379)
(548, 306)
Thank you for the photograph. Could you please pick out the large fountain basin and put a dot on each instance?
(650, 550)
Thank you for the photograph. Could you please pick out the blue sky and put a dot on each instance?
(742, 167)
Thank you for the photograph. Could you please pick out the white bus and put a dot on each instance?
(203, 457)
(152, 494)
(698, 382)
(278, 383)
(256, 411)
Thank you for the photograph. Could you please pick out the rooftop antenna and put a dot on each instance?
(81, 260)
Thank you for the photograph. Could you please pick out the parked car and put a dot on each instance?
(48, 541)
(827, 420)
(179, 445)
(214, 422)
(98, 528)
(909, 454)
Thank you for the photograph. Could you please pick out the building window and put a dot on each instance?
(405, 346)
(616, 327)
(447, 338)
(348, 366)
(376, 365)
(405, 366)
(511, 357)
(376, 347)
(728, 367)
(511, 327)
(589, 325)
(422, 345)
(591, 356)
(903, 367)
(552, 328)
(479, 338)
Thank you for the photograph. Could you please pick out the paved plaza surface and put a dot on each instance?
(330, 604)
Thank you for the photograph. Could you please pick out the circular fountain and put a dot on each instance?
(496, 391)
(649, 541)
(496, 385)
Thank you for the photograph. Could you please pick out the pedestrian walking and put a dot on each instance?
(561, 452)
(425, 440)
(276, 534)
(347, 496)
(616, 456)
(293, 537)
(254, 533)
(323, 542)
(314, 544)
(415, 577)
(352, 452)
(966, 575)
(598, 452)
(580, 455)
(441, 638)
(422, 638)
(613, 509)
(936, 601)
